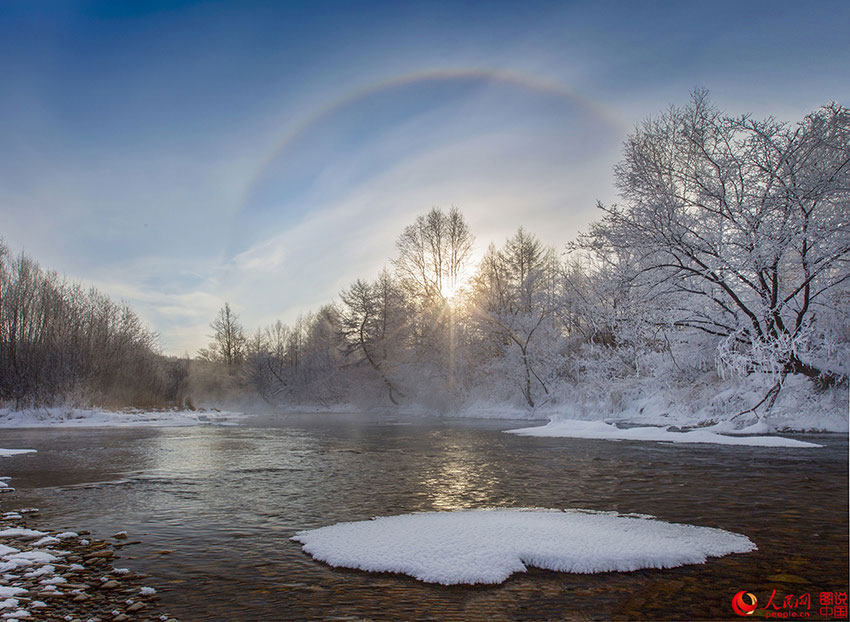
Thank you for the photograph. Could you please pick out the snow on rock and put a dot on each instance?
(36, 557)
(15, 452)
(9, 592)
(44, 570)
(19, 532)
(53, 581)
(487, 546)
(574, 428)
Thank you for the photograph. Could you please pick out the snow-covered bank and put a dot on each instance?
(14, 452)
(95, 417)
(709, 401)
(706, 402)
(571, 428)
(487, 546)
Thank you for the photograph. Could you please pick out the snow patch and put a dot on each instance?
(36, 557)
(7, 591)
(574, 428)
(20, 532)
(14, 452)
(487, 546)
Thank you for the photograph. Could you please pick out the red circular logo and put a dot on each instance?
(741, 606)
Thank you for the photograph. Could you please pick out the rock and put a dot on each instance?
(121, 535)
(164, 552)
(110, 585)
(136, 607)
(79, 598)
(120, 618)
(101, 554)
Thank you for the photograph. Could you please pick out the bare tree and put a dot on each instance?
(432, 254)
(61, 343)
(228, 340)
(373, 323)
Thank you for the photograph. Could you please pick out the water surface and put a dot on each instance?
(224, 502)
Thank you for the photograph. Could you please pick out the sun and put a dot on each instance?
(450, 291)
(453, 289)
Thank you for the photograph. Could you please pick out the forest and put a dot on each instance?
(720, 284)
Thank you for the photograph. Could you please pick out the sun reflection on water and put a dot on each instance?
(459, 481)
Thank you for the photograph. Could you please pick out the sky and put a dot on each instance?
(178, 155)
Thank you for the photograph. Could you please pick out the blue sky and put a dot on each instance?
(178, 155)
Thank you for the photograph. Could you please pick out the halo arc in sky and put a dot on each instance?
(524, 81)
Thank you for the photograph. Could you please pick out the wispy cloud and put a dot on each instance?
(140, 150)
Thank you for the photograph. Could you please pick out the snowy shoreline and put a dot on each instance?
(555, 421)
(65, 575)
(72, 417)
(572, 428)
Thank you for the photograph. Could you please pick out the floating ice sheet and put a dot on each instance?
(487, 546)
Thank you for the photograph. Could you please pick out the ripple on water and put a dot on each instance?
(225, 501)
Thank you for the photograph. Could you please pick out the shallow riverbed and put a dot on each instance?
(214, 508)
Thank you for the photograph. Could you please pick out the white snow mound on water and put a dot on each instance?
(5, 453)
(488, 546)
(574, 428)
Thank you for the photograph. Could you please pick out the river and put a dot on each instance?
(214, 508)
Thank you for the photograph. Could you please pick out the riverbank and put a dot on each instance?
(74, 417)
(68, 576)
(708, 401)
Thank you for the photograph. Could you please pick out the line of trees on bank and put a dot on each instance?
(63, 343)
(729, 256)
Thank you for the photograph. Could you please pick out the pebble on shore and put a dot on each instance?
(53, 575)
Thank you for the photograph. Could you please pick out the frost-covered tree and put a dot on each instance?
(514, 301)
(431, 268)
(737, 228)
